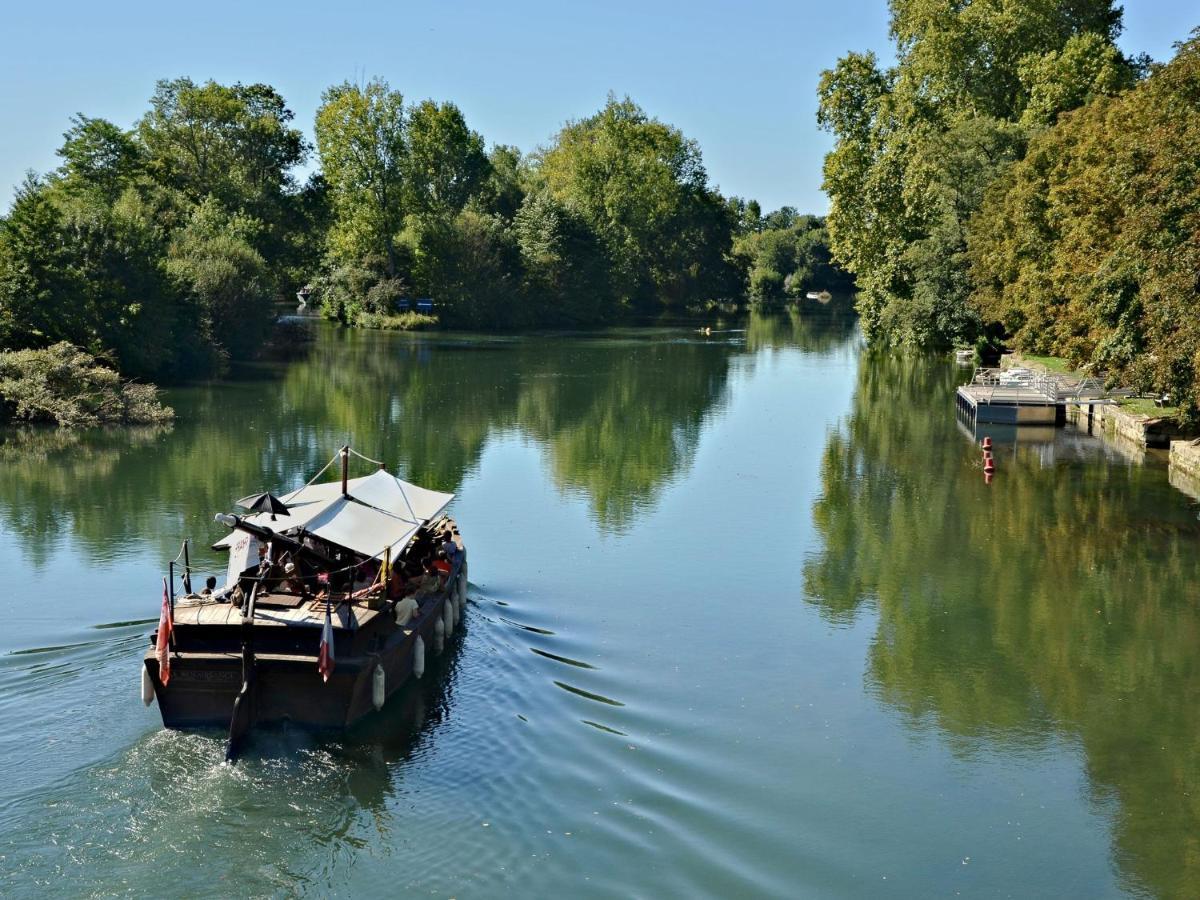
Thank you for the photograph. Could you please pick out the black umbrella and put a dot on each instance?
(267, 502)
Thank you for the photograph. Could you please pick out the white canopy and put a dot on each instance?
(380, 511)
(362, 529)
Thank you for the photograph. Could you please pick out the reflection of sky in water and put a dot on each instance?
(744, 620)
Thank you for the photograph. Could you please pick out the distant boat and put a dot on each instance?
(819, 296)
(964, 357)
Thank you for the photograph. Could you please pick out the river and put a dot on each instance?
(744, 620)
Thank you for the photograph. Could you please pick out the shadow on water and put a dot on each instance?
(1060, 601)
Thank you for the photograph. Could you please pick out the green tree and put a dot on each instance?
(564, 264)
(506, 181)
(214, 262)
(1087, 247)
(233, 142)
(471, 266)
(642, 187)
(363, 148)
(917, 144)
(99, 157)
(445, 164)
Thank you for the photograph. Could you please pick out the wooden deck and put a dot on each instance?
(214, 612)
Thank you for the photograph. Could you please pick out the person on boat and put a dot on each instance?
(442, 564)
(292, 579)
(431, 581)
(269, 573)
(399, 585)
(448, 546)
(210, 585)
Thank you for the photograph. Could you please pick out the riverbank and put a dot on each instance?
(1134, 420)
(65, 386)
(1184, 470)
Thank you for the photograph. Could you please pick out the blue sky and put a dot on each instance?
(740, 78)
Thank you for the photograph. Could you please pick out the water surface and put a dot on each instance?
(744, 620)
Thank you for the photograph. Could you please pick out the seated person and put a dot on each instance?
(399, 585)
(431, 582)
(269, 572)
(293, 582)
(448, 546)
(406, 610)
(210, 585)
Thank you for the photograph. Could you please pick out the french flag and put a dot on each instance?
(325, 657)
(162, 647)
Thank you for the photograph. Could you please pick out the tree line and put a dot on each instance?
(162, 249)
(1015, 178)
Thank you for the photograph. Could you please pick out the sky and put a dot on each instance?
(739, 78)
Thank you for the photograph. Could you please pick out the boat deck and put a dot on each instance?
(216, 612)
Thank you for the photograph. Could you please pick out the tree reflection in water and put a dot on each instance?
(1063, 599)
(619, 414)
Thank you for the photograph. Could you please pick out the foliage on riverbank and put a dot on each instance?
(918, 144)
(406, 321)
(1089, 247)
(615, 216)
(164, 248)
(1045, 195)
(65, 386)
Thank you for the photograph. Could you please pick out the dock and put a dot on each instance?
(1025, 397)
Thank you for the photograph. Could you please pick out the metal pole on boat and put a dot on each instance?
(187, 570)
(345, 468)
(171, 582)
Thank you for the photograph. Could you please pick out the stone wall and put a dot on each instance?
(1185, 467)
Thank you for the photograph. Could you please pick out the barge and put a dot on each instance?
(334, 594)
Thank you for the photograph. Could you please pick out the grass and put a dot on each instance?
(1055, 364)
(409, 321)
(1144, 406)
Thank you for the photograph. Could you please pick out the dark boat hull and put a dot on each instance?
(288, 687)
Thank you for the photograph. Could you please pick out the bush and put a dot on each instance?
(64, 385)
(409, 321)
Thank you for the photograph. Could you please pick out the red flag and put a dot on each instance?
(325, 657)
(162, 648)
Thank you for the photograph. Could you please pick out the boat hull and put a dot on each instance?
(289, 688)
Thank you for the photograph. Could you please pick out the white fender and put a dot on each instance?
(378, 686)
(448, 617)
(439, 636)
(419, 657)
(457, 604)
(147, 686)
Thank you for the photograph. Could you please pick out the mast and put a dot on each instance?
(345, 453)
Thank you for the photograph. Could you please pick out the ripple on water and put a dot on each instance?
(493, 736)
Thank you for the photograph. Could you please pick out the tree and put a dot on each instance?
(215, 265)
(642, 187)
(1087, 248)
(917, 144)
(564, 264)
(363, 148)
(471, 265)
(445, 165)
(505, 187)
(99, 157)
(233, 142)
